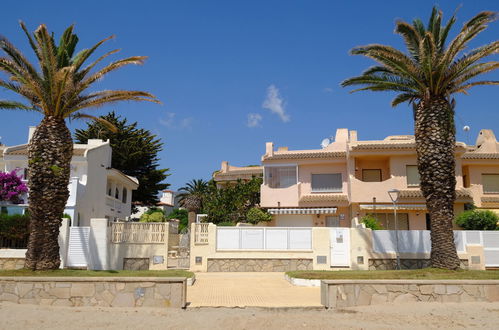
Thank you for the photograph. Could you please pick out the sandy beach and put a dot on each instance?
(407, 316)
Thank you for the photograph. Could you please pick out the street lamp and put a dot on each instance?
(394, 196)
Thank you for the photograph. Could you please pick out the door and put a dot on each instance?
(332, 221)
(340, 247)
(78, 251)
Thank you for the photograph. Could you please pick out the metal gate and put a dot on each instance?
(78, 251)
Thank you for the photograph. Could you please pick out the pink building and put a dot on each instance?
(336, 185)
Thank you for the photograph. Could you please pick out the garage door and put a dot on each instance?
(294, 220)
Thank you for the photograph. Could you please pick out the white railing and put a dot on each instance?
(201, 233)
(264, 238)
(410, 241)
(136, 232)
(114, 203)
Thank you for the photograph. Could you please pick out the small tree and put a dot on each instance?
(182, 216)
(11, 187)
(256, 215)
(232, 203)
(371, 222)
(153, 217)
(478, 220)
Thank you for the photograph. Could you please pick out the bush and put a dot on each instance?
(153, 217)
(371, 222)
(226, 223)
(14, 226)
(256, 215)
(11, 187)
(182, 216)
(478, 220)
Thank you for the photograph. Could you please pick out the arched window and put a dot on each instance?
(124, 195)
(117, 193)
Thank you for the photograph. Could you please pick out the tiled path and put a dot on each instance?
(249, 289)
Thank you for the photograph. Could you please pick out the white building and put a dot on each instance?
(96, 189)
(166, 203)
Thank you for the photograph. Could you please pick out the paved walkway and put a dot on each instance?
(249, 289)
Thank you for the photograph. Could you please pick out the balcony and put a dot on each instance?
(280, 197)
(363, 192)
(114, 204)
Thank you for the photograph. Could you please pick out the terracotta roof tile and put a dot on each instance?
(300, 154)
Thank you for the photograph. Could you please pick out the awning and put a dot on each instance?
(315, 210)
(407, 207)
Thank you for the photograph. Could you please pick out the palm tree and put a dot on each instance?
(427, 76)
(59, 89)
(192, 195)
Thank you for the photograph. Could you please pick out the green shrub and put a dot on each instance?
(256, 215)
(478, 220)
(14, 226)
(226, 223)
(154, 209)
(181, 215)
(371, 222)
(153, 217)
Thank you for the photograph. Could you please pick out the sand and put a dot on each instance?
(401, 316)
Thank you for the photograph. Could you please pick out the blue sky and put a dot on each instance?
(235, 74)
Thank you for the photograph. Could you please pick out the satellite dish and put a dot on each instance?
(325, 142)
(466, 128)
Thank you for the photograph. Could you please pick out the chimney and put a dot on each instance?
(269, 149)
(341, 135)
(225, 166)
(353, 136)
(31, 132)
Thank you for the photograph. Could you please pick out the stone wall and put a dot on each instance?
(258, 265)
(389, 264)
(97, 291)
(136, 264)
(346, 293)
(11, 263)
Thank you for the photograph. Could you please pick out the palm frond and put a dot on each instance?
(13, 105)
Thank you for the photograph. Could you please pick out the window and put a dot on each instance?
(280, 176)
(327, 182)
(109, 190)
(490, 183)
(373, 175)
(412, 173)
(387, 220)
(124, 195)
(117, 193)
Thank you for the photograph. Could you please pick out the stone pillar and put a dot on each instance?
(63, 241)
(191, 218)
(98, 244)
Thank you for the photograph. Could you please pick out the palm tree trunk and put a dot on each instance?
(50, 151)
(435, 146)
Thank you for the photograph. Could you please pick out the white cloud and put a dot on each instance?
(275, 103)
(327, 90)
(186, 123)
(168, 122)
(254, 120)
(171, 122)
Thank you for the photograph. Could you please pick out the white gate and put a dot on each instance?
(339, 239)
(491, 248)
(78, 251)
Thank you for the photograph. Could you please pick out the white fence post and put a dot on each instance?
(98, 244)
(63, 241)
